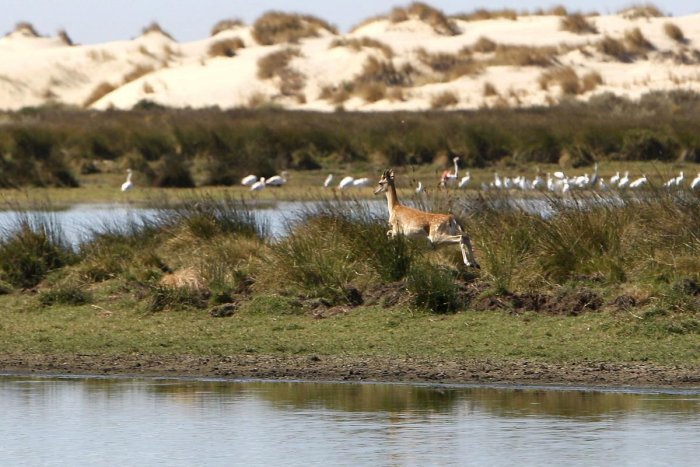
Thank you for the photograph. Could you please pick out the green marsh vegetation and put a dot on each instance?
(596, 279)
(169, 148)
(609, 280)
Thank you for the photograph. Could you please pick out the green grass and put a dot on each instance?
(261, 327)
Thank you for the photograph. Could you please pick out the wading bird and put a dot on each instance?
(259, 185)
(328, 181)
(438, 228)
(277, 180)
(128, 184)
(448, 177)
(249, 180)
(346, 182)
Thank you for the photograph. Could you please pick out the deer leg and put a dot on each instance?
(468, 255)
(465, 246)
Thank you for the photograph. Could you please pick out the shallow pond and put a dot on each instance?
(124, 421)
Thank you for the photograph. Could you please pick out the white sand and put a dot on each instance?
(40, 70)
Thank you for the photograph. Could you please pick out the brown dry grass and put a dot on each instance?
(578, 24)
(489, 89)
(484, 45)
(358, 44)
(444, 99)
(565, 77)
(646, 10)
(440, 23)
(155, 27)
(449, 67)
(523, 55)
(98, 93)
(27, 27)
(225, 47)
(636, 42)
(590, 81)
(276, 27)
(64, 37)
(225, 25)
(137, 72)
(674, 32)
(271, 65)
(482, 14)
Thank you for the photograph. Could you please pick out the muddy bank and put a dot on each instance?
(319, 367)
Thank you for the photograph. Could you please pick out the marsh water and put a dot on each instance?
(79, 222)
(124, 421)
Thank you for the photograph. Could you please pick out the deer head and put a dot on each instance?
(387, 178)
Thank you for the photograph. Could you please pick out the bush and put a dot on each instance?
(360, 43)
(444, 99)
(154, 27)
(276, 27)
(646, 145)
(435, 18)
(32, 249)
(675, 33)
(276, 63)
(433, 288)
(484, 45)
(565, 77)
(98, 93)
(225, 47)
(225, 25)
(66, 294)
(578, 24)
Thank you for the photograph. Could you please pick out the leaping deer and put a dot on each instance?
(438, 228)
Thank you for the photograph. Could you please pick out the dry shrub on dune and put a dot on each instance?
(484, 45)
(674, 32)
(98, 93)
(440, 23)
(276, 27)
(636, 42)
(647, 10)
(225, 25)
(482, 14)
(26, 28)
(155, 27)
(444, 99)
(276, 64)
(523, 55)
(64, 37)
(450, 66)
(225, 47)
(565, 77)
(578, 24)
(358, 44)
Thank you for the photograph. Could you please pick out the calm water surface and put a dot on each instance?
(97, 421)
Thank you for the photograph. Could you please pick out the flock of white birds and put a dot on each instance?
(557, 182)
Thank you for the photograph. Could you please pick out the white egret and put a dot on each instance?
(345, 182)
(420, 188)
(358, 182)
(277, 180)
(640, 182)
(249, 180)
(465, 180)
(128, 184)
(695, 184)
(259, 185)
(328, 181)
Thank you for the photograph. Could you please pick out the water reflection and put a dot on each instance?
(50, 421)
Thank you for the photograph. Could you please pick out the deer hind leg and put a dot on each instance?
(465, 245)
(460, 239)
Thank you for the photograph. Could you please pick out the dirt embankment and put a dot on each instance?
(332, 368)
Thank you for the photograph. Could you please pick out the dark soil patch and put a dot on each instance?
(624, 302)
(564, 303)
(387, 295)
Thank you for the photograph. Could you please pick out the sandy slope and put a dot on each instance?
(39, 70)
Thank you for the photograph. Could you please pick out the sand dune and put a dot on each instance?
(379, 66)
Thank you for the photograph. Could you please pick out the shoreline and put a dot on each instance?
(358, 369)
